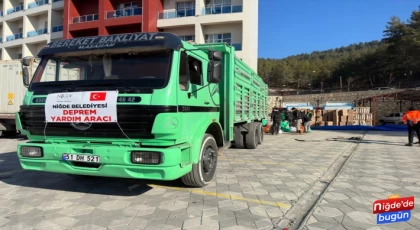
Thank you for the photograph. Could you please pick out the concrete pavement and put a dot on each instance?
(381, 166)
(254, 189)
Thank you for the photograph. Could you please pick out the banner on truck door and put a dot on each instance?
(91, 107)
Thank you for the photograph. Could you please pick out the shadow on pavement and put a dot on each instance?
(11, 173)
(9, 162)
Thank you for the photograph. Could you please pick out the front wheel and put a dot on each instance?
(203, 172)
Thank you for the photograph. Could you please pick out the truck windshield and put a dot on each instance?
(149, 69)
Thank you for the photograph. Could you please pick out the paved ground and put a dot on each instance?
(253, 189)
(378, 168)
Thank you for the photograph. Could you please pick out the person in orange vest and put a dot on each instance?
(412, 119)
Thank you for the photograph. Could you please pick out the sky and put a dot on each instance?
(290, 27)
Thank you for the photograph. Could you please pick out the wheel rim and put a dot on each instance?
(208, 160)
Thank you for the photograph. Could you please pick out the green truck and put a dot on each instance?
(141, 105)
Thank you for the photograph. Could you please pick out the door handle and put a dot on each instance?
(206, 102)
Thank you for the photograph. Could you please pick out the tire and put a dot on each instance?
(260, 130)
(203, 172)
(252, 136)
(239, 138)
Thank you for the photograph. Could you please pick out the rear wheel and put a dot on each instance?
(260, 130)
(252, 136)
(203, 172)
(239, 138)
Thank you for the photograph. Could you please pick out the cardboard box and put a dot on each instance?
(320, 124)
(318, 113)
(328, 123)
(349, 123)
(343, 123)
(343, 112)
(343, 119)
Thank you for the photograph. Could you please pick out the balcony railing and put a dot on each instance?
(57, 28)
(85, 18)
(124, 12)
(15, 9)
(37, 3)
(222, 10)
(177, 14)
(14, 36)
(238, 46)
(37, 32)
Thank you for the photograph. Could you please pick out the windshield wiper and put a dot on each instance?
(54, 83)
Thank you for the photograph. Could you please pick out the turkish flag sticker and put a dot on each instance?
(98, 96)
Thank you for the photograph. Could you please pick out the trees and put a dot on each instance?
(363, 65)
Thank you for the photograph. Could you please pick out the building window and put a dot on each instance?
(220, 3)
(19, 56)
(185, 9)
(219, 38)
(188, 37)
(128, 5)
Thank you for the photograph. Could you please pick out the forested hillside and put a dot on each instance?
(394, 61)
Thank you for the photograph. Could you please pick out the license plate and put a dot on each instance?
(81, 158)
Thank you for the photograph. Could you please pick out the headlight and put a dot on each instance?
(153, 158)
(30, 151)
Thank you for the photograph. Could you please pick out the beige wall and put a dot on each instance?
(182, 31)
(33, 49)
(36, 23)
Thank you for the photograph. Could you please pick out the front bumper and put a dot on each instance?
(115, 161)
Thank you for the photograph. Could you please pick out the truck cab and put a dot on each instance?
(142, 105)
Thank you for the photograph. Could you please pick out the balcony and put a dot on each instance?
(124, 12)
(37, 3)
(177, 14)
(14, 37)
(238, 46)
(222, 10)
(37, 32)
(15, 9)
(85, 18)
(57, 28)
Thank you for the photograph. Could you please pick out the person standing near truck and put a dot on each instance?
(276, 118)
(307, 121)
(412, 119)
(297, 118)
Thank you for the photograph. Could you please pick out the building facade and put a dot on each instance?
(26, 26)
(29, 25)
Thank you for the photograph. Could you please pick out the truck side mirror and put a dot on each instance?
(214, 67)
(26, 62)
(214, 71)
(25, 76)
